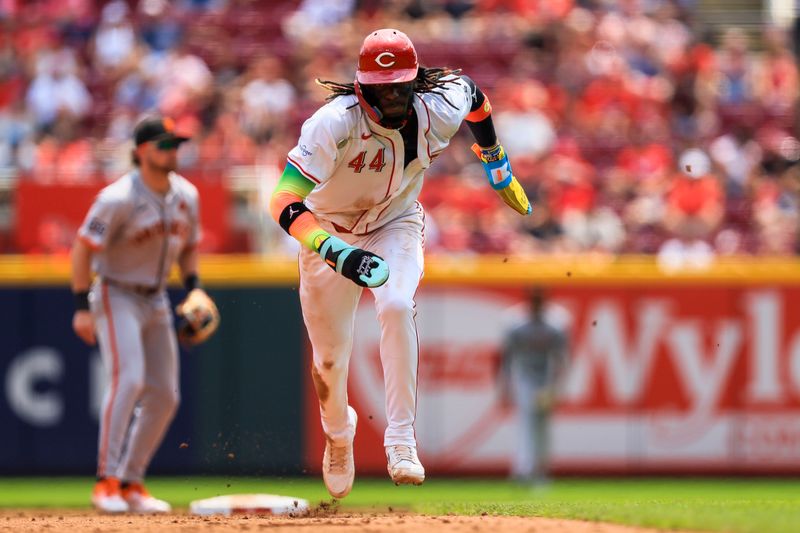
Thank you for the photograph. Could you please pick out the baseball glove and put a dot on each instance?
(198, 318)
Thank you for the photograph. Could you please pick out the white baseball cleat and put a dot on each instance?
(338, 467)
(140, 501)
(404, 466)
(107, 497)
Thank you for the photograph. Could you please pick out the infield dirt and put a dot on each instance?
(54, 520)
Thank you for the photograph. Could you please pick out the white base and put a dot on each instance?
(270, 504)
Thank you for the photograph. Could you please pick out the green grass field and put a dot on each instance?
(735, 505)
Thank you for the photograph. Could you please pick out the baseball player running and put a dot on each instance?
(349, 195)
(137, 228)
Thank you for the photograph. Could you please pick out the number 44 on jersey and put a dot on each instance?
(376, 165)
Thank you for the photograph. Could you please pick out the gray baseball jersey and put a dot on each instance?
(137, 235)
(534, 351)
(127, 224)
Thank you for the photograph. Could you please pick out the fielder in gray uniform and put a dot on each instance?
(533, 357)
(137, 228)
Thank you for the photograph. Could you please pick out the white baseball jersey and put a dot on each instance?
(358, 165)
(137, 234)
(364, 189)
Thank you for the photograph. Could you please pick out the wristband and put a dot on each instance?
(290, 213)
(191, 282)
(495, 164)
(81, 300)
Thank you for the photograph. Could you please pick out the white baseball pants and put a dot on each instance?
(329, 303)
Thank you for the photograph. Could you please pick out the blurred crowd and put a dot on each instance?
(633, 129)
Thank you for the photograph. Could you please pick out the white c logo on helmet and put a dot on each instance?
(379, 61)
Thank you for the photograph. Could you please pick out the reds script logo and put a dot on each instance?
(387, 64)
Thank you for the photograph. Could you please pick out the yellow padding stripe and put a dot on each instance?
(578, 270)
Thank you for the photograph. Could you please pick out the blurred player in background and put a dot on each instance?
(349, 195)
(137, 228)
(533, 358)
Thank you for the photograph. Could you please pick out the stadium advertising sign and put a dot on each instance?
(51, 390)
(686, 378)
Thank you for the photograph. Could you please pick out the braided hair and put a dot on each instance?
(429, 80)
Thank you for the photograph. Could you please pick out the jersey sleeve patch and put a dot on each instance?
(99, 223)
(317, 149)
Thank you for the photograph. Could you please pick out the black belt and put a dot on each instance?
(144, 290)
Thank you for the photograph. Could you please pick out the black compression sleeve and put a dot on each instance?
(191, 282)
(483, 131)
(81, 300)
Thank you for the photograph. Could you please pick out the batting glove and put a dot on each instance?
(498, 170)
(362, 267)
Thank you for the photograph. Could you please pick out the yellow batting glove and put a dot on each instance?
(498, 171)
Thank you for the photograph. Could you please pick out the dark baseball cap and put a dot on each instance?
(157, 129)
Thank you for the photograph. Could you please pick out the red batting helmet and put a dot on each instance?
(387, 56)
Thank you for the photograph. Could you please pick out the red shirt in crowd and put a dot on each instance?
(692, 195)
